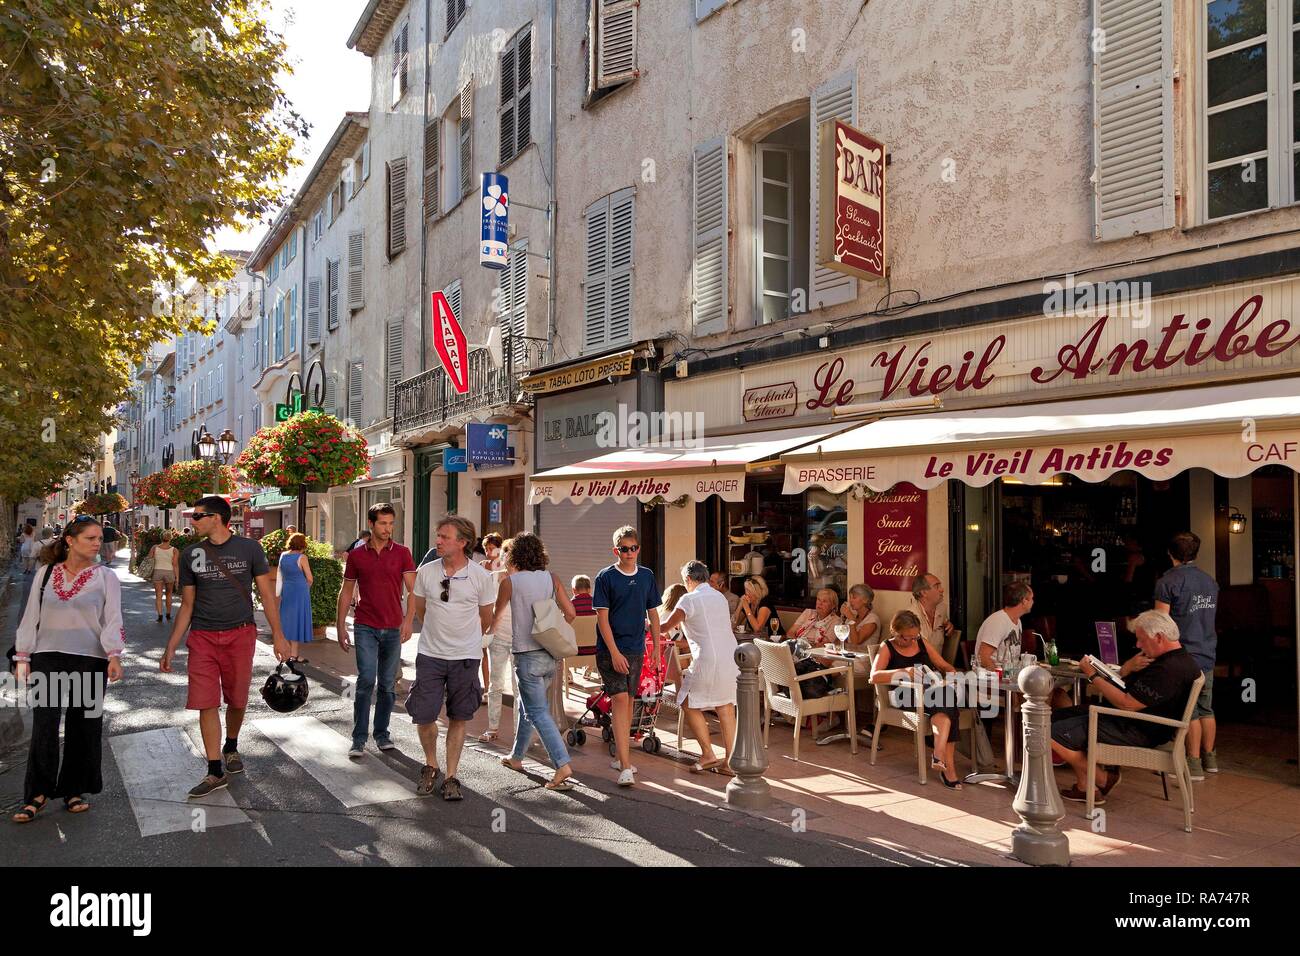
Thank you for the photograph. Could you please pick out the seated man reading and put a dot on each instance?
(1160, 689)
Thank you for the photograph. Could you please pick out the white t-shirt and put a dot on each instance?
(452, 630)
(998, 628)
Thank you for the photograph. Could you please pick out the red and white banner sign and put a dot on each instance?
(893, 525)
(449, 342)
(727, 485)
(851, 236)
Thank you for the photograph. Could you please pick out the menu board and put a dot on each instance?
(894, 537)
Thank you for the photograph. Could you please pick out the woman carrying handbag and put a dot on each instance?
(70, 639)
(533, 594)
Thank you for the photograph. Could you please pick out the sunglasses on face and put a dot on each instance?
(200, 515)
(446, 589)
(629, 548)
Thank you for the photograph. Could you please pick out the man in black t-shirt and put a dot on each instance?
(217, 576)
(1160, 689)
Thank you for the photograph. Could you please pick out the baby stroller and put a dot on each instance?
(645, 707)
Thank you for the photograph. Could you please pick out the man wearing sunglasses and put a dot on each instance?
(217, 577)
(624, 595)
(456, 597)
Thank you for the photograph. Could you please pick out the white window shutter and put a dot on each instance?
(392, 363)
(704, 7)
(331, 393)
(355, 393)
(595, 320)
(1132, 117)
(709, 222)
(514, 302)
(396, 206)
(356, 270)
(332, 294)
(466, 102)
(620, 266)
(616, 42)
(837, 99)
(313, 311)
(365, 160)
(432, 161)
(452, 292)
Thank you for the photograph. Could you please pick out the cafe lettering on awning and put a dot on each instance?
(851, 224)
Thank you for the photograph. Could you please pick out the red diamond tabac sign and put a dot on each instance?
(449, 341)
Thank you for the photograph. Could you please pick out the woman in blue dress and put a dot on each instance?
(295, 594)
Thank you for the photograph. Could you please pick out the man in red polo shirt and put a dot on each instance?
(382, 568)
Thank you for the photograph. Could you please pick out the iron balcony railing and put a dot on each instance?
(429, 399)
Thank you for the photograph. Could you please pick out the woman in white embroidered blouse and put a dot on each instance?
(69, 640)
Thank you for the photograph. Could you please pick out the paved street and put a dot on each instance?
(302, 802)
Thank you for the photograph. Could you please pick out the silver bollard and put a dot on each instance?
(748, 790)
(1038, 840)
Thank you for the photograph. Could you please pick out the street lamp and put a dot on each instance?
(227, 441)
(206, 444)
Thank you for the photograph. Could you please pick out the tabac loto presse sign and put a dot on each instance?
(851, 224)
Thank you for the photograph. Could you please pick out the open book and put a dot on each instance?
(1106, 671)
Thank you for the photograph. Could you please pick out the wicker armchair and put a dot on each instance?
(1166, 759)
(914, 720)
(777, 670)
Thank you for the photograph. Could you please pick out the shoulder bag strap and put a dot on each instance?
(40, 598)
(221, 566)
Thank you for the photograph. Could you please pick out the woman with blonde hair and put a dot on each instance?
(496, 648)
(900, 659)
(166, 568)
(757, 608)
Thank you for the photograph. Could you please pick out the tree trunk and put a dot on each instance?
(8, 517)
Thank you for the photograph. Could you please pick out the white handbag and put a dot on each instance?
(551, 630)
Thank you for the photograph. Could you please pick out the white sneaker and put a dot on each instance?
(357, 752)
(615, 765)
(626, 778)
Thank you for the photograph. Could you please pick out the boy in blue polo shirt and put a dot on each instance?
(624, 596)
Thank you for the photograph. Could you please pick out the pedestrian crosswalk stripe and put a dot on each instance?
(322, 752)
(158, 768)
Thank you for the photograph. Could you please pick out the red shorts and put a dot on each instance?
(221, 667)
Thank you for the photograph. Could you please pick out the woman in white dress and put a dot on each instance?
(709, 683)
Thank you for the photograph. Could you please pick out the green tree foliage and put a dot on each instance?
(130, 133)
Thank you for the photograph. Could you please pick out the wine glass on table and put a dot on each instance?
(841, 635)
(774, 625)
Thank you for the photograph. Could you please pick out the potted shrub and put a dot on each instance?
(109, 503)
(327, 581)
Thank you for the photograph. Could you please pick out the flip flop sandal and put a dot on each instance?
(75, 805)
(698, 767)
(505, 762)
(451, 789)
(28, 813)
(489, 736)
(566, 784)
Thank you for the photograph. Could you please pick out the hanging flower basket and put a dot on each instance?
(110, 503)
(312, 449)
(185, 482)
(153, 490)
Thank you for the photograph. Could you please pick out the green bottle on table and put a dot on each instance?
(1052, 657)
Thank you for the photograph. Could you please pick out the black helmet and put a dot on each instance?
(285, 693)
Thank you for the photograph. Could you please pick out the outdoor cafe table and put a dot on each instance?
(833, 658)
(1009, 687)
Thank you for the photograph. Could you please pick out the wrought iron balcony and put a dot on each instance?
(430, 400)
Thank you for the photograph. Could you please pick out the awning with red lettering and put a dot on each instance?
(1228, 429)
(696, 470)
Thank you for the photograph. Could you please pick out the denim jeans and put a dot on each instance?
(534, 672)
(379, 654)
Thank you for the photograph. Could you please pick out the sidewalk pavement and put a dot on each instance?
(1240, 820)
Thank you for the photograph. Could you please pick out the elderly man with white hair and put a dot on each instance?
(1159, 689)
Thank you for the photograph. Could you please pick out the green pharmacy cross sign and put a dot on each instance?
(285, 411)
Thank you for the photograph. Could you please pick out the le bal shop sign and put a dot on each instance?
(1180, 344)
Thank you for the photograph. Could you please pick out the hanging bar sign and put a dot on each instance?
(495, 233)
